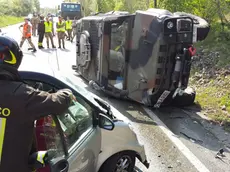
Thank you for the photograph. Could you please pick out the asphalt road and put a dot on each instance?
(186, 147)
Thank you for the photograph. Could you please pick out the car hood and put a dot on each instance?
(80, 85)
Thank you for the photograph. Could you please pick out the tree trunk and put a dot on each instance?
(155, 3)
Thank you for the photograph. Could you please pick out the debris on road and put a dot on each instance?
(220, 154)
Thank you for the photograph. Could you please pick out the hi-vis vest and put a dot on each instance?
(61, 27)
(69, 24)
(27, 30)
(48, 26)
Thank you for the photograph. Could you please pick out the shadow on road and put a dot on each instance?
(29, 53)
(65, 50)
(187, 124)
(47, 50)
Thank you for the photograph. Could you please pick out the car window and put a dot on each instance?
(48, 136)
(75, 123)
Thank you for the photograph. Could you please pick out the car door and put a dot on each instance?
(78, 137)
(83, 138)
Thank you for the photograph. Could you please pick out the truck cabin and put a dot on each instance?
(72, 10)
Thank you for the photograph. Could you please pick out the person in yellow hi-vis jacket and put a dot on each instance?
(49, 32)
(69, 28)
(61, 32)
(21, 105)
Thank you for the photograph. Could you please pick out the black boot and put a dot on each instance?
(34, 50)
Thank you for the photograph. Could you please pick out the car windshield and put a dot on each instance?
(77, 84)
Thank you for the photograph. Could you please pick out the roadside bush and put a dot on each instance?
(9, 20)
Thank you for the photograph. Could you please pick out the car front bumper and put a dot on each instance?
(142, 156)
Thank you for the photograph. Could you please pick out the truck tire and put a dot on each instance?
(115, 161)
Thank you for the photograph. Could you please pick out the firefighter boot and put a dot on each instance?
(40, 45)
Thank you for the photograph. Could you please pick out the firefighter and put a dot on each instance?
(41, 32)
(20, 106)
(69, 28)
(26, 34)
(61, 32)
(49, 32)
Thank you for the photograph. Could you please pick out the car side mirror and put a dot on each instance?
(105, 122)
(59, 165)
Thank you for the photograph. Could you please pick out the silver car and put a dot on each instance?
(89, 136)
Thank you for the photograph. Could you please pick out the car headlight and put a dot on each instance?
(170, 25)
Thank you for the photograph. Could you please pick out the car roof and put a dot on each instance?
(34, 65)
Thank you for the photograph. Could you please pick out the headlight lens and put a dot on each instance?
(170, 25)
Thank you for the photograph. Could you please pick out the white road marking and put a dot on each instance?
(187, 153)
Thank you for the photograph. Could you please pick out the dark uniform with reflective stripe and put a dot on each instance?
(41, 32)
(20, 106)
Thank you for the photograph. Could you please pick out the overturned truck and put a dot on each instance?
(145, 57)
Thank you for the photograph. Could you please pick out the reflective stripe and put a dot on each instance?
(53, 123)
(40, 157)
(117, 48)
(2, 134)
(12, 61)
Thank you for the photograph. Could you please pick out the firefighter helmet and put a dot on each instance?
(10, 53)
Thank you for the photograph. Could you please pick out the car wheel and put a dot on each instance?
(120, 162)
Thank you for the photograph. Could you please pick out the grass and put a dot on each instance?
(10, 20)
(212, 97)
(214, 93)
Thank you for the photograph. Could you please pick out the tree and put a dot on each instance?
(36, 4)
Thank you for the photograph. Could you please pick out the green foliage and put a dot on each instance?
(211, 10)
(9, 20)
(19, 7)
(212, 96)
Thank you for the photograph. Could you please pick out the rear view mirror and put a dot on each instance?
(105, 122)
(59, 165)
